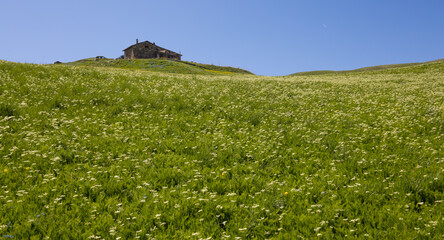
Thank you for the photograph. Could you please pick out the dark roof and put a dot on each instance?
(150, 43)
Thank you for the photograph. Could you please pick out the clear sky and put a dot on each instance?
(267, 37)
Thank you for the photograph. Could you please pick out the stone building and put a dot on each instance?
(149, 50)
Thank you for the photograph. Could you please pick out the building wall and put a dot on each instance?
(148, 51)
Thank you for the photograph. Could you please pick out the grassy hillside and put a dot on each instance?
(109, 153)
(395, 67)
(160, 65)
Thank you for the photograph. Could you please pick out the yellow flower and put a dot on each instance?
(6, 170)
(223, 174)
(286, 193)
(27, 168)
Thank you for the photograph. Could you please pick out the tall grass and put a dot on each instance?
(115, 154)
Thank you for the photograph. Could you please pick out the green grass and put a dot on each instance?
(160, 65)
(109, 153)
(368, 69)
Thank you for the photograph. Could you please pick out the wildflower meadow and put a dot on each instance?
(109, 153)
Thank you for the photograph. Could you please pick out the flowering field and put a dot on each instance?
(106, 153)
(159, 65)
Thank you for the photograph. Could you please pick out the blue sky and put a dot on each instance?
(277, 37)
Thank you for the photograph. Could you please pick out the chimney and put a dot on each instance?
(137, 41)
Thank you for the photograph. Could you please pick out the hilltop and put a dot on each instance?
(392, 67)
(160, 65)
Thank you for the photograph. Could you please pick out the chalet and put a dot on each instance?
(149, 50)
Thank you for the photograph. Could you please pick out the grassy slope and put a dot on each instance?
(107, 153)
(366, 69)
(160, 65)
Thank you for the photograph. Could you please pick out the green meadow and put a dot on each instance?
(122, 150)
(159, 65)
